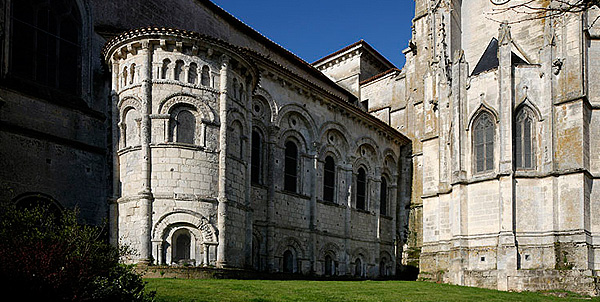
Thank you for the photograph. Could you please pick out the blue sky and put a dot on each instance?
(312, 29)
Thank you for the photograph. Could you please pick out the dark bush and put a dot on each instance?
(49, 256)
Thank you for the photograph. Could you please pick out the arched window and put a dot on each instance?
(290, 180)
(193, 73)
(235, 144)
(183, 127)
(361, 189)
(124, 76)
(358, 267)
(383, 197)
(483, 142)
(329, 179)
(524, 140)
(132, 128)
(165, 69)
(235, 91)
(182, 243)
(46, 43)
(329, 266)
(132, 76)
(255, 165)
(288, 262)
(178, 76)
(205, 76)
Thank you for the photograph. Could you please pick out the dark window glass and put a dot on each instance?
(45, 43)
(205, 77)
(329, 179)
(361, 189)
(165, 69)
(524, 149)
(291, 167)
(483, 137)
(255, 165)
(193, 73)
(185, 127)
(383, 197)
(178, 76)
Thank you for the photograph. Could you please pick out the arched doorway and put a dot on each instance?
(288, 262)
(182, 242)
(329, 266)
(358, 271)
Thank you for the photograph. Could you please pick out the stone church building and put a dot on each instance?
(207, 144)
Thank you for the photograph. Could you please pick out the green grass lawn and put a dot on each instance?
(266, 290)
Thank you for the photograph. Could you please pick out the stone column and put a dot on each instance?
(116, 192)
(248, 184)
(394, 202)
(375, 189)
(146, 197)
(507, 250)
(313, 207)
(270, 162)
(349, 176)
(222, 193)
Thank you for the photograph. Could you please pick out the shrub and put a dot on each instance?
(47, 255)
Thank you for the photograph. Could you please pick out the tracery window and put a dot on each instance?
(290, 180)
(383, 196)
(46, 43)
(256, 162)
(483, 138)
(329, 179)
(524, 140)
(361, 189)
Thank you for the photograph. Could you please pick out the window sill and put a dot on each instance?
(364, 211)
(178, 145)
(331, 204)
(386, 217)
(290, 193)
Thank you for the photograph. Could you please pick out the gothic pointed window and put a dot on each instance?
(329, 179)
(45, 44)
(290, 179)
(361, 189)
(255, 165)
(483, 142)
(524, 138)
(383, 196)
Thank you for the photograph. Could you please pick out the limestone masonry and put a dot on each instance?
(207, 144)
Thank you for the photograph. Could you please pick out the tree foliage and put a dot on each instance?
(50, 256)
(539, 9)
